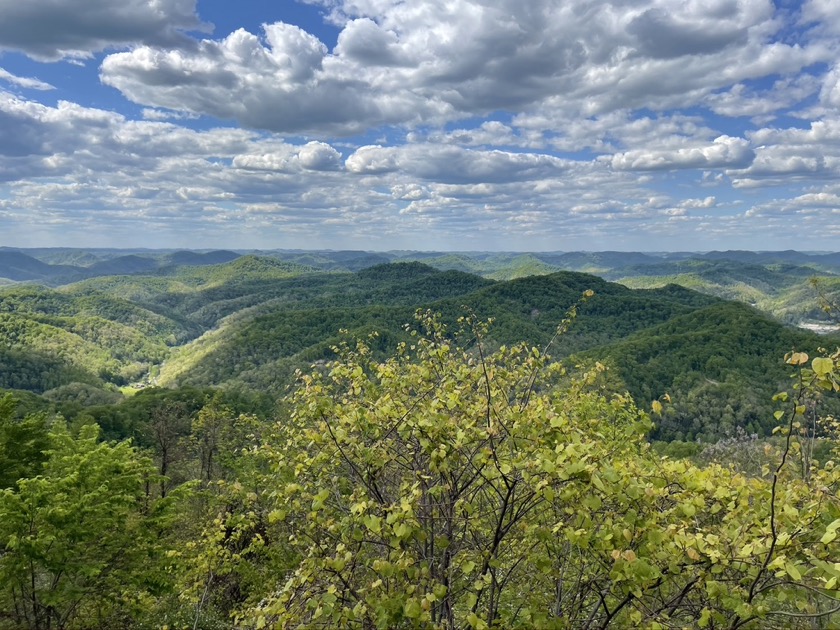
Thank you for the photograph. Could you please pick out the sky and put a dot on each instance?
(513, 125)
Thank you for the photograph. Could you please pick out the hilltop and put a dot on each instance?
(248, 323)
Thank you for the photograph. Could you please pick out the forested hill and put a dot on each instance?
(59, 266)
(247, 324)
(779, 283)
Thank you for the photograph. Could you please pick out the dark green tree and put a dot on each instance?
(77, 547)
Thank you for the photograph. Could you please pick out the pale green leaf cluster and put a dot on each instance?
(449, 488)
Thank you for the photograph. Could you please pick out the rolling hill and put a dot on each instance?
(248, 323)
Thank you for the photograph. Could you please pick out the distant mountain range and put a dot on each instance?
(39, 265)
(779, 283)
(56, 266)
(246, 322)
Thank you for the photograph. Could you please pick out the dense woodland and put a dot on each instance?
(344, 439)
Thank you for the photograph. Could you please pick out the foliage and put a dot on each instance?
(782, 290)
(721, 364)
(22, 442)
(448, 487)
(49, 339)
(247, 325)
(77, 544)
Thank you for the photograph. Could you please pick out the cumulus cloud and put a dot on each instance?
(534, 121)
(812, 213)
(762, 105)
(318, 156)
(87, 168)
(313, 156)
(49, 30)
(660, 34)
(694, 204)
(455, 164)
(821, 199)
(823, 15)
(426, 62)
(725, 151)
(281, 82)
(488, 133)
(787, 155)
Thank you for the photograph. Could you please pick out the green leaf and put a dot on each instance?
(373, 523)
(830, 532)
(793, 571)
(475, 622)
(822, 366)
(412, 609)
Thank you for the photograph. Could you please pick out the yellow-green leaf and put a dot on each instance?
(412, 609)
(822, 366)
(793, 571)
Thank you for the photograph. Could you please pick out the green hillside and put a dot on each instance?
(50, 338)
(721, 365)
(249, 323)
(782, 290)
(720, 361)
(262, 345)
(160, 470)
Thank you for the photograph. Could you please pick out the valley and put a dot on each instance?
(709, 330)
(353, 439)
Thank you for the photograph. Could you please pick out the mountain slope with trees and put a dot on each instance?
(248, 324)
(366, 448)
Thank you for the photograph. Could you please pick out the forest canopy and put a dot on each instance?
(449, 485)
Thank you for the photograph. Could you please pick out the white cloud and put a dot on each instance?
(426, 62)
(313, 156)
(373, 159)
(455, 164)
(160, 115)
(464, 123)
(818, 200)
(95, 171)
(488, 133)
(784, 156)
(821, 135)
(830, 93)
(739, 100)
(694, 204)
(24, 82)
(49, 30)
(318, 156)
(284, 82)
(724, 151)
(824, 15)
(811, 216)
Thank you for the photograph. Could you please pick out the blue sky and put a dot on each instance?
(430, 124)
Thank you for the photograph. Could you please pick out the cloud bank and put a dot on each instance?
(651, 124)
